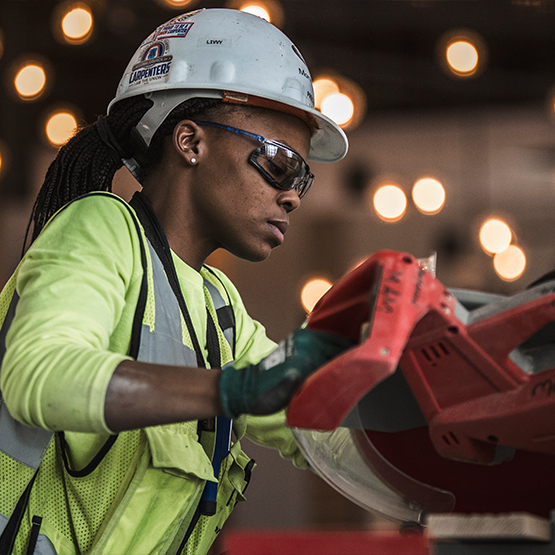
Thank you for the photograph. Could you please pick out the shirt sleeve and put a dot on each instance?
(74, 284)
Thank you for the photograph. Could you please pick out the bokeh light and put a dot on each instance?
(270, 10)
(60, 127)
(30, 80)
(338, 107)
(340, 99)
(323, 87)
(495, 236)
(177, 4)
(77, 24)
(462, 53)
(313, 291)
(510, 264)
(428, 195)
(257, 10)
(390, 203)
(462, 56)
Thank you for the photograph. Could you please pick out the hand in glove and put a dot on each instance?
(267, 387)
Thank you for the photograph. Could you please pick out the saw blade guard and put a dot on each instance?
(347, 460)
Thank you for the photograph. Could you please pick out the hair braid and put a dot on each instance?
(85, 163)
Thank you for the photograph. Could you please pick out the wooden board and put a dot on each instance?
(508, 526)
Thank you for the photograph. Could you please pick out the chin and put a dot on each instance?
(253, 255)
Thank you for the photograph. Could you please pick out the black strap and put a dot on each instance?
(157, 237)
(141, 303)
(97, 459)
(7, 539)
(225, 314)
(226, 317)
(187, 535)
(214, 352)
(35, 530)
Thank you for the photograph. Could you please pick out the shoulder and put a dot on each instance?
(97, 207)
(102, 219)
(95, 231)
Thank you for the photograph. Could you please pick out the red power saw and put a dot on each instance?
(448, 399)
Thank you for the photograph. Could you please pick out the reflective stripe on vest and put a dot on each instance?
(164, 344)
(24, 444)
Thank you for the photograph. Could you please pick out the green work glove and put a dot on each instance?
(267, 387)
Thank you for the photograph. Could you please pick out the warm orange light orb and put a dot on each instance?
(339, 107)
(495, 236)
(510, 264)
(257, 10)
(60, 127)
(390, 203)
(30, 81)
(428, 195)
(462, 57)
(77, 24)
(313, 291)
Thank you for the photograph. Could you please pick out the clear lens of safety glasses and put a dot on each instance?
(282, 167)
(279, 165)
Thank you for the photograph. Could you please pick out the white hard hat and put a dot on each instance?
(228, 54)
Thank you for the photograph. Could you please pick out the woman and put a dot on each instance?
(118, 415)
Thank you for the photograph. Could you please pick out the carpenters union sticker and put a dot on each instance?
(155, 64)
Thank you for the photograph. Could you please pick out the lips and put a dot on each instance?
(278, 229)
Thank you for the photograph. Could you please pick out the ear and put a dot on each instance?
(188, 141)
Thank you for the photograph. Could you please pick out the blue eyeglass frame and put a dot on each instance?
(301, 183)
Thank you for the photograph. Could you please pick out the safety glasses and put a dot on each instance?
(280, 165)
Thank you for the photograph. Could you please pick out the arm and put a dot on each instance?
(78, 284)
(142, 394)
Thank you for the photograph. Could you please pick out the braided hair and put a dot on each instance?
(88, 163)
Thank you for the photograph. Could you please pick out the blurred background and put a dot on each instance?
(449, 107)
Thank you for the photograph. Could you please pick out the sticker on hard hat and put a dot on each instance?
(155, 50)
(156, 72)
(176, 28)
(154, 65)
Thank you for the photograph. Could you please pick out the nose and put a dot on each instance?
(289, 200)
